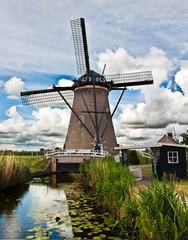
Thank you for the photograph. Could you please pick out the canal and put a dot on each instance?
(52, 207)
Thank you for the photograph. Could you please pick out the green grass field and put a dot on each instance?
(147, 171)
(35, 163)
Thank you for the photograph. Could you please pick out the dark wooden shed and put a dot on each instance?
(169, 158)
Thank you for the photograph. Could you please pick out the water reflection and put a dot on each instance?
(35, 205)
(9, 198)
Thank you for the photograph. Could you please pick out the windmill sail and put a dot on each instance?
(130, 79)
(80, 45)
(46, 95)
(91, 119)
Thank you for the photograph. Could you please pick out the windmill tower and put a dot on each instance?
(90, 124)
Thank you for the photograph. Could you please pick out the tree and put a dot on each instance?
(185, 138)
(133, 157)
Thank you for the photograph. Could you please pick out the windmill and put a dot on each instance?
(90, 124)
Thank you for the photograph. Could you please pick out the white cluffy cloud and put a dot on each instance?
(163, 109)
(46, 126)
(13, 87)
(65, 83)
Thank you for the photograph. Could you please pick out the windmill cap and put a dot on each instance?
(91, 73)
(90, 78)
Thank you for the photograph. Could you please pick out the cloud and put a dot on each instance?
(158, 113)
(182, 77)
(46, 126)
(33, 37)
(12, 113)
(118, 61)
(14, 85)
(184, 48)
(13, 97)
(65, 83)
(162, 109)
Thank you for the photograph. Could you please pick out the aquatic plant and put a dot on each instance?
(12, 171)
(88, 220)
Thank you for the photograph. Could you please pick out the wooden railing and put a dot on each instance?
(76, 153)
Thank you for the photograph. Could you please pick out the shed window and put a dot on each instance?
(173, 157)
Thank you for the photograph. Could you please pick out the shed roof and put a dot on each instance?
(167, 139)
(152, 145)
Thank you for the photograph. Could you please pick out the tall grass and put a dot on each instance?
(163, 212)
(12, 171)
(35, 163)
(114, 187)
(154, 212)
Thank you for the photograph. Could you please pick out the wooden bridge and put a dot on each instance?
(69, 160)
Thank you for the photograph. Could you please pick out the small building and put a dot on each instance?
(168, 157)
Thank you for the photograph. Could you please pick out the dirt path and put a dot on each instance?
(141, 166)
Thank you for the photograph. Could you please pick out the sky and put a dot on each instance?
(36, 51)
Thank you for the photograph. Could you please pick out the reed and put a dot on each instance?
(114, 189)
(163, 212)
(12, 171)
(157, 211)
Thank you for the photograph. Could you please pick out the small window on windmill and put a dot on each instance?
(81, 119)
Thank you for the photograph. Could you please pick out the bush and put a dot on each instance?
(133, 158)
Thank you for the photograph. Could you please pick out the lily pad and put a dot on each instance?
(30, 237)
(36, 229)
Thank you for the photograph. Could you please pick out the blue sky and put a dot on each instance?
(36, 51)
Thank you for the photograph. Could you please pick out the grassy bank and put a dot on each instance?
(12, 171)
(155, 212)
(35, 163)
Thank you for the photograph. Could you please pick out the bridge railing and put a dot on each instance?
(147, 155)
(76, 153)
